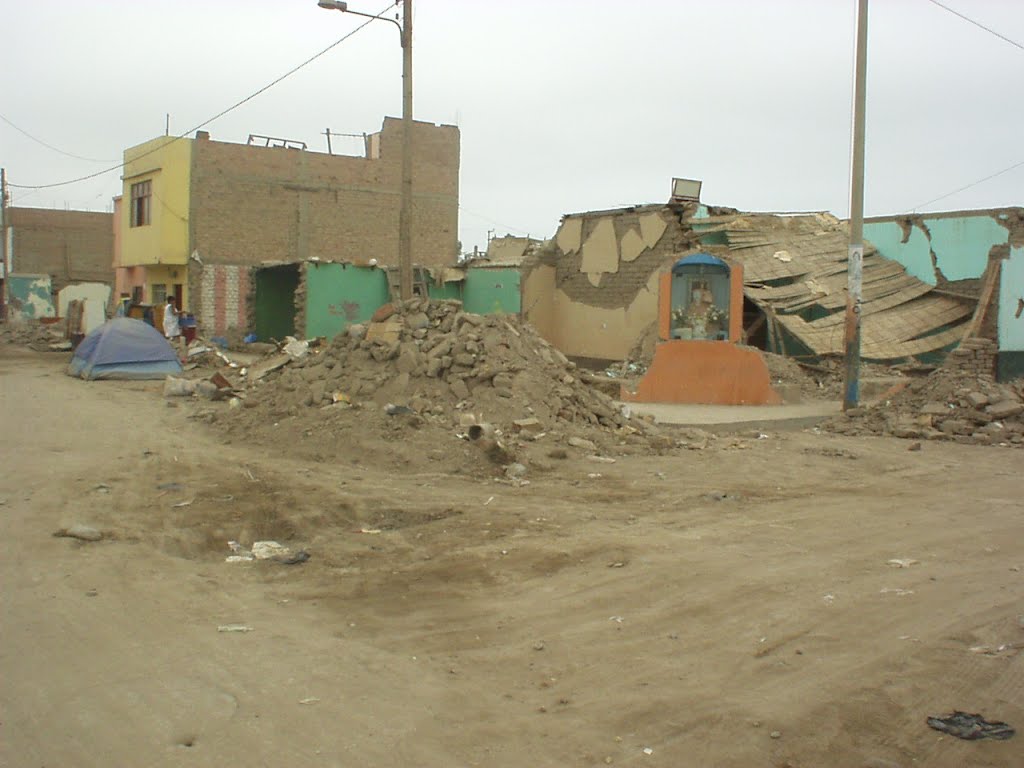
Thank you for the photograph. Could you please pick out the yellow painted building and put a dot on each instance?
(154, 213)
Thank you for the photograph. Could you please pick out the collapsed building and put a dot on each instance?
(931, 282)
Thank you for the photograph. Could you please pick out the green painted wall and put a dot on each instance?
(29, 297)
(491, 291)
(914, 255)
(275, 301)
(445, 291)
(339, 295)
(961, 244)
(1011, 303)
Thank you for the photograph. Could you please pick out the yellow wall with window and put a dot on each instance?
(166, 163)
(168, 276)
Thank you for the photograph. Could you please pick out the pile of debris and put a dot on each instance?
(960, 401)
(42, 337)
(427, 363)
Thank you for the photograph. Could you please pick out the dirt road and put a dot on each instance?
(731, 606)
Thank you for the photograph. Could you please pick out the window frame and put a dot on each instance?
(140, 210)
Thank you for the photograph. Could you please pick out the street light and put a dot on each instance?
(405, 211)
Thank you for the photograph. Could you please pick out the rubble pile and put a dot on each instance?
(430, 360)
(38, 336)
(959, 401)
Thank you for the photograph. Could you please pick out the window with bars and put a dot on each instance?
(142, 194)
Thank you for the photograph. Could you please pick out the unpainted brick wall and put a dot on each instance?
(69, 246)
(256, 204)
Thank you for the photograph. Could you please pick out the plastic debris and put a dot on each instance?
(970, 726)
(234, 628)
(903, 562)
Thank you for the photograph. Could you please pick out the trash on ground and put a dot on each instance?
(80, 532)
(310, 700)
(602, 459)
(895, 591)
(234, 628)
(296, 559)
(970, 726)
(175, 387)
(903, 562)
(1005, 649)
(180, 504)
(296, 349)
(265, 550)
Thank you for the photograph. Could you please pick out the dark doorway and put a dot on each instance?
(275, 301)
(754, 321)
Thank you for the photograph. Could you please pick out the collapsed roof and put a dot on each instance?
(794, 269)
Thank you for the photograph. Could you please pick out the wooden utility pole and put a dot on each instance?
(327, 133)
(405, 212)
(855, 252)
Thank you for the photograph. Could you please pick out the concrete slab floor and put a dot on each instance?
(738, 416)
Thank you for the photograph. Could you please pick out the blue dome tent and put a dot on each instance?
(124, 348)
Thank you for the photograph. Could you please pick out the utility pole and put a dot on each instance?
(327, 133)
(855, 252)
(405, 212)
(5, 259)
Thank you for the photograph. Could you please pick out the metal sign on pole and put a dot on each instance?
(855, 253)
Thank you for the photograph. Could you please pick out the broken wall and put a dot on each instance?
(96, 298)
(340, 295)
(28, 297)
(596, 290)
(1010, 363)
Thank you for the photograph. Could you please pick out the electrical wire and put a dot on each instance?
(977, 24)
(50, 146)
(969, 186)
(219, 115)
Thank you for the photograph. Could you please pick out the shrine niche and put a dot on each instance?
(700, 298)
(698, 358)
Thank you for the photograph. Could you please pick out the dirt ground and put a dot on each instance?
(730, 606)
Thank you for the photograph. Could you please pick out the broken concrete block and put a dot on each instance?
(1005, 410)
(935, 409)
(417, 321)
(383, 313)
(977, 399)
(528, 426)
(459, 388)
(956, 427)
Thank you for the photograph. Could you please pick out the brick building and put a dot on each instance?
(69, 246)
(197, 214)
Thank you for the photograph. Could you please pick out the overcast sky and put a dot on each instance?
(564, 105)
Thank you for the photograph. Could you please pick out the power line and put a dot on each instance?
(969, 186)
(219, 115)
(977, 24)
(50, 146)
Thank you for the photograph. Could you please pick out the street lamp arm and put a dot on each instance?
(333, 5)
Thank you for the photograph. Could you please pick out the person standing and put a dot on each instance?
(172, 328)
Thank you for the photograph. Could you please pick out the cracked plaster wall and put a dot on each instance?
(598, 291)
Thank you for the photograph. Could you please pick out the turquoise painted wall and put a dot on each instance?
(887, 237)
(1011, 293)
(491, 291)
(29, 297)
(339, 295)
(961, 245)
(443, 291)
